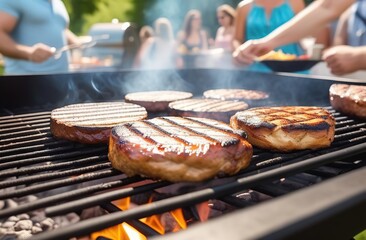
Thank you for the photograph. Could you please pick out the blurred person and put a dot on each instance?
(258, 18)
(347, 54)
(159, 51)
(316, 16)
(30, 31)
(351, 27)
(192, 38)
(145, 33)
(225, 33)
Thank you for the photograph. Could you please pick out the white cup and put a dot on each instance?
(316, 51)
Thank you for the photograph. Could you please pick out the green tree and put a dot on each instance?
(77, 10)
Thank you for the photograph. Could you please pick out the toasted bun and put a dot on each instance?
(286, 128)
(178, 149)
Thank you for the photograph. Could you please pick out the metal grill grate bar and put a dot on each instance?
(34, 189)
(55, 166)
(53, 175)
(95, 224)
(66, 196)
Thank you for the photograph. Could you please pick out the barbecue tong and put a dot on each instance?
(86, 44)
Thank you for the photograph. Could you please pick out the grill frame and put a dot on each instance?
(194, 80)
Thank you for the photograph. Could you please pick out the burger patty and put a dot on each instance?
(235, 94)
(286, 128)
(178, 149)
(156, 101)
(207, 108)
(349, 99)
(92, 122)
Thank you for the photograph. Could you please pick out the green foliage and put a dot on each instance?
(107, 11)
(77, 10)
(361, 236)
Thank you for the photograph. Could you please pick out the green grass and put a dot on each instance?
(1, 70)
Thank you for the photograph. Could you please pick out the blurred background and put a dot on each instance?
(85, 13)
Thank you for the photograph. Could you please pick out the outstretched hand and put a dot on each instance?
(250, 50)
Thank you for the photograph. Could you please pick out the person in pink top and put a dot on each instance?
(225, 33)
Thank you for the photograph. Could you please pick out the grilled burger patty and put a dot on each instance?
(156, 101)
(235, 94)
(92, 122)
(178, 149)
(349, 99)
(286, 128)
(207, 108)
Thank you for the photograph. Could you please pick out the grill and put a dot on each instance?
(310, 194)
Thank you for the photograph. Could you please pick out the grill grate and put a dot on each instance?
(33, 162)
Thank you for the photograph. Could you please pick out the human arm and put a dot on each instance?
(9, 48)
(316, 16)
(240, 23)
(344, 59)
(340, 35)
(297, 5)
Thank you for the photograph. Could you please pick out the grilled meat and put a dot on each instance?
(92, 122)
(349, 99)
(156, 101)
(286, 128)
(178, 149)
(235, 94)
(207, 108)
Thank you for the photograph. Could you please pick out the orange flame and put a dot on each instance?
(203, 210)
(173, 221)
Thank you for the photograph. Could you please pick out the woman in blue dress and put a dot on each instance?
(257, 18)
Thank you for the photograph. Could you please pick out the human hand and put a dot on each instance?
(341, 59)
(40, 52)
(250, 50)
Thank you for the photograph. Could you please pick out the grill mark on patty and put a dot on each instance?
(233, 136)
(85, 111)
(207, 105)
(98, 114)
(137, 132)
(287, 119)
(158, 96)
(231, 132)
(167, 133)
(159, 128)
(190, 130)
(235, 94)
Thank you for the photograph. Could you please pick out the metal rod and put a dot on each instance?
(49, 152)
(54, 175)
(99, 223)
(104, 197)
(59, 183)
(63, 156)
(66, 196)
(60, 165)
